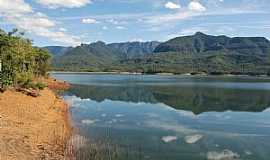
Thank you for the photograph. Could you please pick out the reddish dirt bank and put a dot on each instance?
(33, 128)
(56, 84)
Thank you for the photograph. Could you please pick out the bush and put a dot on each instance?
(29, 84)
(40, 85)
(23, 79)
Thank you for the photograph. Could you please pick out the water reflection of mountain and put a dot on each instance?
(196, 99)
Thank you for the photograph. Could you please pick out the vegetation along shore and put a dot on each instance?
(34, 121)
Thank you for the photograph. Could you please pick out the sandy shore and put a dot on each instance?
(33, 128)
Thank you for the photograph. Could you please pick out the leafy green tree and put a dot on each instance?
(20, 62)
(42, 59)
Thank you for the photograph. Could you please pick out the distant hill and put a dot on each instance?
(92, 56)
(201, 43)
(199, 53)
(57, 50)
(135, 49)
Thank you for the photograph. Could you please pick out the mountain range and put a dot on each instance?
(198, 53)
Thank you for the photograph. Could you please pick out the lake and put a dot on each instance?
(152, 117)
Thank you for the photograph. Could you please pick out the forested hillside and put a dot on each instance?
(135, 49)
(93, 57)
(205, 44)
(57, 50)
(199, 53)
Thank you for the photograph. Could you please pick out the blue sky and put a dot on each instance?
(71, 22)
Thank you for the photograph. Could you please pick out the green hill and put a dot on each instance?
(205, 44)
(199, 53)
(57, 50)
(92, 57)
(135, 49)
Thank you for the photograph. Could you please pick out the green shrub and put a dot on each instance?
(40, 85)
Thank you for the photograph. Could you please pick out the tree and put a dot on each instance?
(20, 62)
(42, 59)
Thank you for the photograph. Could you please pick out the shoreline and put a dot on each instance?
(34, 127)
(163, 74)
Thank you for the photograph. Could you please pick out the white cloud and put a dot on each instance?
(174, 17)
(64, 3)
(195, 9)
(171, 5)
(89, 21)
(196, 6)
(62, 29)
(120, 27)
(20, 14)
(14, 7)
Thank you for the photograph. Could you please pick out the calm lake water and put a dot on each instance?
(151, 117)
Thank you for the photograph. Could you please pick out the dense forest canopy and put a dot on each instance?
(20, 62)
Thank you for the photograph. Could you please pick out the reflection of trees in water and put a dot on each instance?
(100, 93)
(196, 99)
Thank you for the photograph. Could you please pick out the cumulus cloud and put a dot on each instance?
(171, 5)
(64, 3)
(89, 21)
(196, 6)
(21, 14)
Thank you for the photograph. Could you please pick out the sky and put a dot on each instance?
(72, 22)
